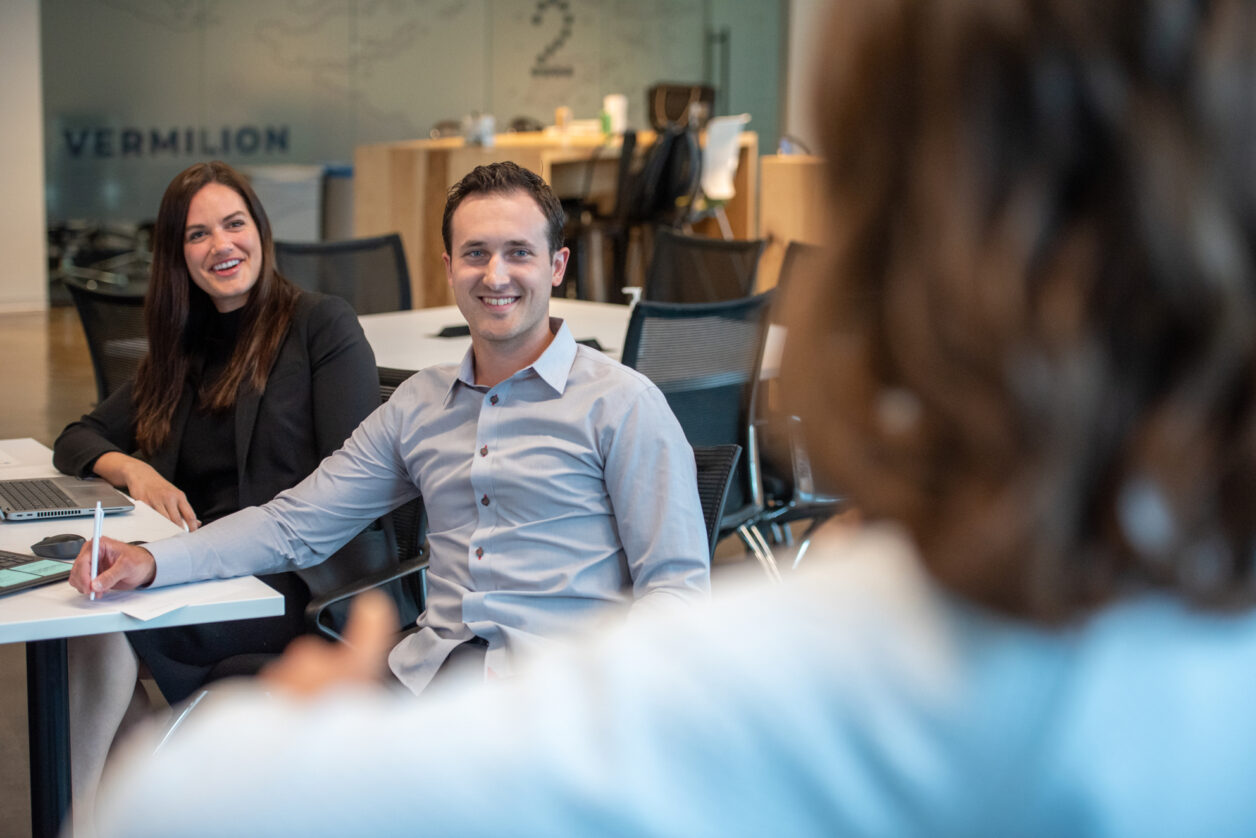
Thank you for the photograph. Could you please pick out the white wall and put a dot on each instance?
(24, 280)
(808, 22)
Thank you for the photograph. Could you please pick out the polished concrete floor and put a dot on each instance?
(46, 381)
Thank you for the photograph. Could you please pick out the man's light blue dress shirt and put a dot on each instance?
(564, 489)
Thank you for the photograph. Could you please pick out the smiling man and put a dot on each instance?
(557, 481)
(502, 257)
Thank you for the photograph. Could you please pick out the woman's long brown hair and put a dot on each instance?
(177, 312)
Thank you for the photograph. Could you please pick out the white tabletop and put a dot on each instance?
(57, 610)
(407, 340)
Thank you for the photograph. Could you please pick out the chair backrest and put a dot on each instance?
(371, 273)
(800, 258)
(624, 179)
(698, 269)
(719, 156)
(670, 103)
(704, 357)
(117, 338)
(716, 464)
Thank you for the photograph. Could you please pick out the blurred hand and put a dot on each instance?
(142, 482)
(311, 665)
(120, 567)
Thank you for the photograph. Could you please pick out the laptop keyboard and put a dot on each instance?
(37, 493)
(9, 560)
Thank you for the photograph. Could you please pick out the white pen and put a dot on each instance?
(99, 522)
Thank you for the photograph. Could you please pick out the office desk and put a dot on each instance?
(44, 617)
(401, 187)
(406, 340)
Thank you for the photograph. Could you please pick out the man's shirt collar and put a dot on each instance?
(553, 367)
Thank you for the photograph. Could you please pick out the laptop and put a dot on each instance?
(19, 571)
(58, 497)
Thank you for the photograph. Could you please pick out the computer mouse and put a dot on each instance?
(63, 546)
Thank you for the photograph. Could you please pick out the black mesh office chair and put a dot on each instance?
(370, 273)
(697, 269)
(705, 357)
(113, 321)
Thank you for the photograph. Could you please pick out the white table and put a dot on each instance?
(406, 340)
(44, 617)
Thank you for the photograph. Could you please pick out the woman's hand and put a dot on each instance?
(142, 482)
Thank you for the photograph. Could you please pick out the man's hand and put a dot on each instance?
(120, 567)
(311, 665)
(142, 482)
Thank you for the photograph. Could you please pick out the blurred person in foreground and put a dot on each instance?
(1033, 364)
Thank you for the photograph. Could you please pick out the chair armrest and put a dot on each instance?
(318, 606)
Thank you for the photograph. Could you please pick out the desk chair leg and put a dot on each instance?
(805, 541)
(758, 546)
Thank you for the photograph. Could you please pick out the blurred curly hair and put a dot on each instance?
(1036, 345)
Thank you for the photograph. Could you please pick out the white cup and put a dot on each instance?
(616, 107)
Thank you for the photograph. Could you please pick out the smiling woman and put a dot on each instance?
(222, 247)
(248, 383)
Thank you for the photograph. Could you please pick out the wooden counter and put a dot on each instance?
(401, 187)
